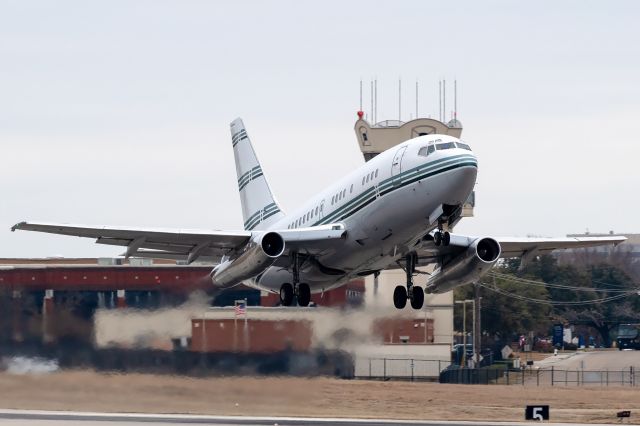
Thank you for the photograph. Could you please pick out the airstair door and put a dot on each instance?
(396, 165)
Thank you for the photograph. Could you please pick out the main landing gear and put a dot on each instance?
(301, 290)
(411, 292)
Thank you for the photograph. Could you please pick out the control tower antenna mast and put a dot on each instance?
(444, 100)
(455, 99)
(371, 100)
(375, 100)
(399, 99)
(416, 98)
(440, 100)
(361, 94)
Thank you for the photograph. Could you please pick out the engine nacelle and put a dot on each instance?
(466, 268)
(258, 254)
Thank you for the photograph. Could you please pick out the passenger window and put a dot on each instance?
(376, 173)
(316, 211)
(371, 175)
(362, 180)
(344, 193)
(367, 178)
(332, 199)
(351, 190)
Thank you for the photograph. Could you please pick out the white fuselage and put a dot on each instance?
(385, 207)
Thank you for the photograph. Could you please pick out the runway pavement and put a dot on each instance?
(59, 418)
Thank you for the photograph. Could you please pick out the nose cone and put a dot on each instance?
(463, 174)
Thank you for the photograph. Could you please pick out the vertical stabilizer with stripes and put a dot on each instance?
(259, 207)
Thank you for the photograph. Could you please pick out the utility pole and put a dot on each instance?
(464, 327)
(477, 330)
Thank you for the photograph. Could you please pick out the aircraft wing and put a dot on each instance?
(181, 244)
(513, 246)
(187, 244)
(516, 247)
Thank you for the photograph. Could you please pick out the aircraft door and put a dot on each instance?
(396, 165)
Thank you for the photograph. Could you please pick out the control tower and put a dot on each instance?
(376, 138)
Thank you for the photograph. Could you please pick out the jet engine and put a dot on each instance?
(256, 256)
(467, 267)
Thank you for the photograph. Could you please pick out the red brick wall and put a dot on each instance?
(392, 329)
(258, 336)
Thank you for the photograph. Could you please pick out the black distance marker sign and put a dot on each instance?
(536, 412)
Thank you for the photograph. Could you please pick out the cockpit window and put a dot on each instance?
(463, 146)
(445, 145)
(426, 150)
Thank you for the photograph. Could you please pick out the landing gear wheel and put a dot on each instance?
(304, 294)
(400, 297)
(417, 297)
(286, 294)
(437, 238)
(446, 238)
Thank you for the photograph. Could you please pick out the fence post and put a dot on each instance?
(412, 369)
(369, 367)
(607, 377)
(523, 369)
(507, 375)
(384, 369)
(552, 375)
(538, 377)
(631, 376)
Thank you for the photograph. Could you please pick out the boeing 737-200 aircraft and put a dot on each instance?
(395, 211)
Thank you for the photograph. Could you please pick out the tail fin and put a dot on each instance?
(259, 207)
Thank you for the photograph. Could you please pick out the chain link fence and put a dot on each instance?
(543, 377)
(444, 371)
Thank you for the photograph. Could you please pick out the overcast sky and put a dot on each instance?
(117, 112)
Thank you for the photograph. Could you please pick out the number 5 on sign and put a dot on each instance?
(536, 412)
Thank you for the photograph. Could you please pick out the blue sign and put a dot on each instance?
(558, 333)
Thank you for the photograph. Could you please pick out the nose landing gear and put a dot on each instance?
(412, 292)
(441, 238)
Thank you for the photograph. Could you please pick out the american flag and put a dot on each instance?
(240, 308)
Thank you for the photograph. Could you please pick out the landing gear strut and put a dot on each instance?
(301, 290)
(412, 292)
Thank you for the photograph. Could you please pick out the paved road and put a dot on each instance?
(59, 418)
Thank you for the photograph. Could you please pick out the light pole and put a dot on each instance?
(464, 327)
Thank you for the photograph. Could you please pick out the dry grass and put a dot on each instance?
(324, 397)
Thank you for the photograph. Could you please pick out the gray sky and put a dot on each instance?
(117, 112)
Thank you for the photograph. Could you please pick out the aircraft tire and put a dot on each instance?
(446, 239)
(400, 297)
(304, 294)
(286, 294)
(417, 299)
(437, 238)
